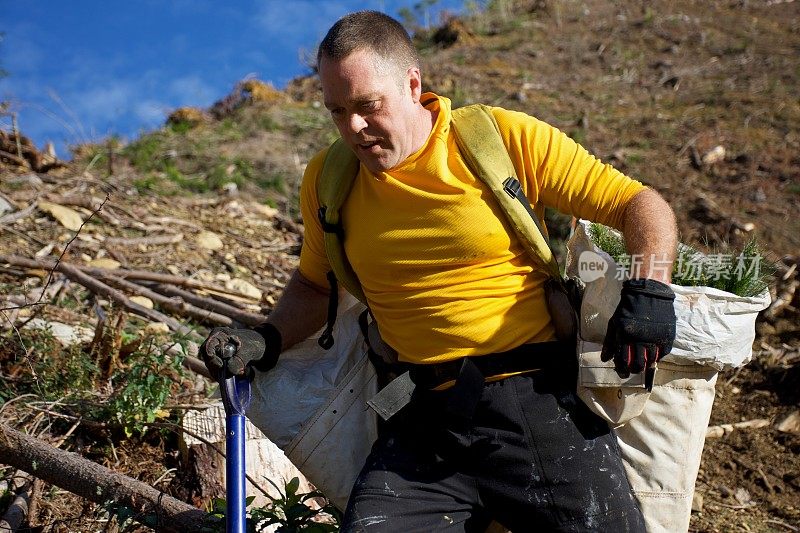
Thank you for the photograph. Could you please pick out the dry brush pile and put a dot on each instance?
(105, 296)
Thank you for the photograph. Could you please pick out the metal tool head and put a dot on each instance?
(235, 390)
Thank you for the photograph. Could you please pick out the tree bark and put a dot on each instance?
(199, 479)
(96, 483)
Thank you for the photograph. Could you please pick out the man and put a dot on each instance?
(497, 432)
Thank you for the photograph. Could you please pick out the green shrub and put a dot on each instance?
(181, 127)
(142, 389)
(148, 152)
(141, 385)
(46, 368)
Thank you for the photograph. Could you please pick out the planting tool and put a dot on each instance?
(235, 391)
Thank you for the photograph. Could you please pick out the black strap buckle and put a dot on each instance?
(327, 227)
(512, 187)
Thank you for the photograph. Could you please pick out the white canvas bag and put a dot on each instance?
(660, 434)
(313, 405)
(713, 328)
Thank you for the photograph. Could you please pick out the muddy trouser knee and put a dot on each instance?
(532, 457)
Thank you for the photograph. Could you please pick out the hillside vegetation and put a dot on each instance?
(698, 99)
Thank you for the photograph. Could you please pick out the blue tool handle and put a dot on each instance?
(235, 392)
(235, 486)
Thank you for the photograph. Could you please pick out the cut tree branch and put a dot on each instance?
(169, 238)
(176, 305)
(146, 275)
(249, 319)
(723, 429)
(96, 483)
(98, 287)
(86, 202)
(17, 215)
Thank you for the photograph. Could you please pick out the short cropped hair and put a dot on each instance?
(371, 30)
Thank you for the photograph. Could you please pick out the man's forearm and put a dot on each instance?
(301, 310)
(651, 236)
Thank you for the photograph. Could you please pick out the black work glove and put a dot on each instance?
(642, 329)
(252, 348)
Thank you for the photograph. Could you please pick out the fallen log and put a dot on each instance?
(86, 202)
(197, 366)
(17, 215)
(782, 300)
(146, 275)
(102, 289)
(138, 275)
(17, 160)
(96, 483)
(168, 238)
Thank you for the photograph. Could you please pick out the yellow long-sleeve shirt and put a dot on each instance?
(443, 273)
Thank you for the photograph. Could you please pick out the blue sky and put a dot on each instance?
(82, 70)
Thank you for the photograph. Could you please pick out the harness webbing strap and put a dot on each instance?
(338, 229)
(513, 188)
(326, 339)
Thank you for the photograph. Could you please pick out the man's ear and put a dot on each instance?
(414, 83)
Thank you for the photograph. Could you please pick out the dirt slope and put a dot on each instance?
(653, 87)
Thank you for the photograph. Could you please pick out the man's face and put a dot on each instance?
(373, 108)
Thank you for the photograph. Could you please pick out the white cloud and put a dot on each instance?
(109, 100)
(151, 112)
(192, 90)
(295, 21)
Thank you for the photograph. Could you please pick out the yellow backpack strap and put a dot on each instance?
(479, 141)
(339, 171)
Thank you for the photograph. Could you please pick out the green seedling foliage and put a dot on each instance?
(230, 130)
(5, 498)
(149, 183)
(267, 123)
(148, 152)
(290, 512)
(175, 160)
(141, 386)
(612, 243)
(184, 182)
(271, 181)
(237, 170)
(744, 273)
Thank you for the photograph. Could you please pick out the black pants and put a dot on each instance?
(533, 457)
